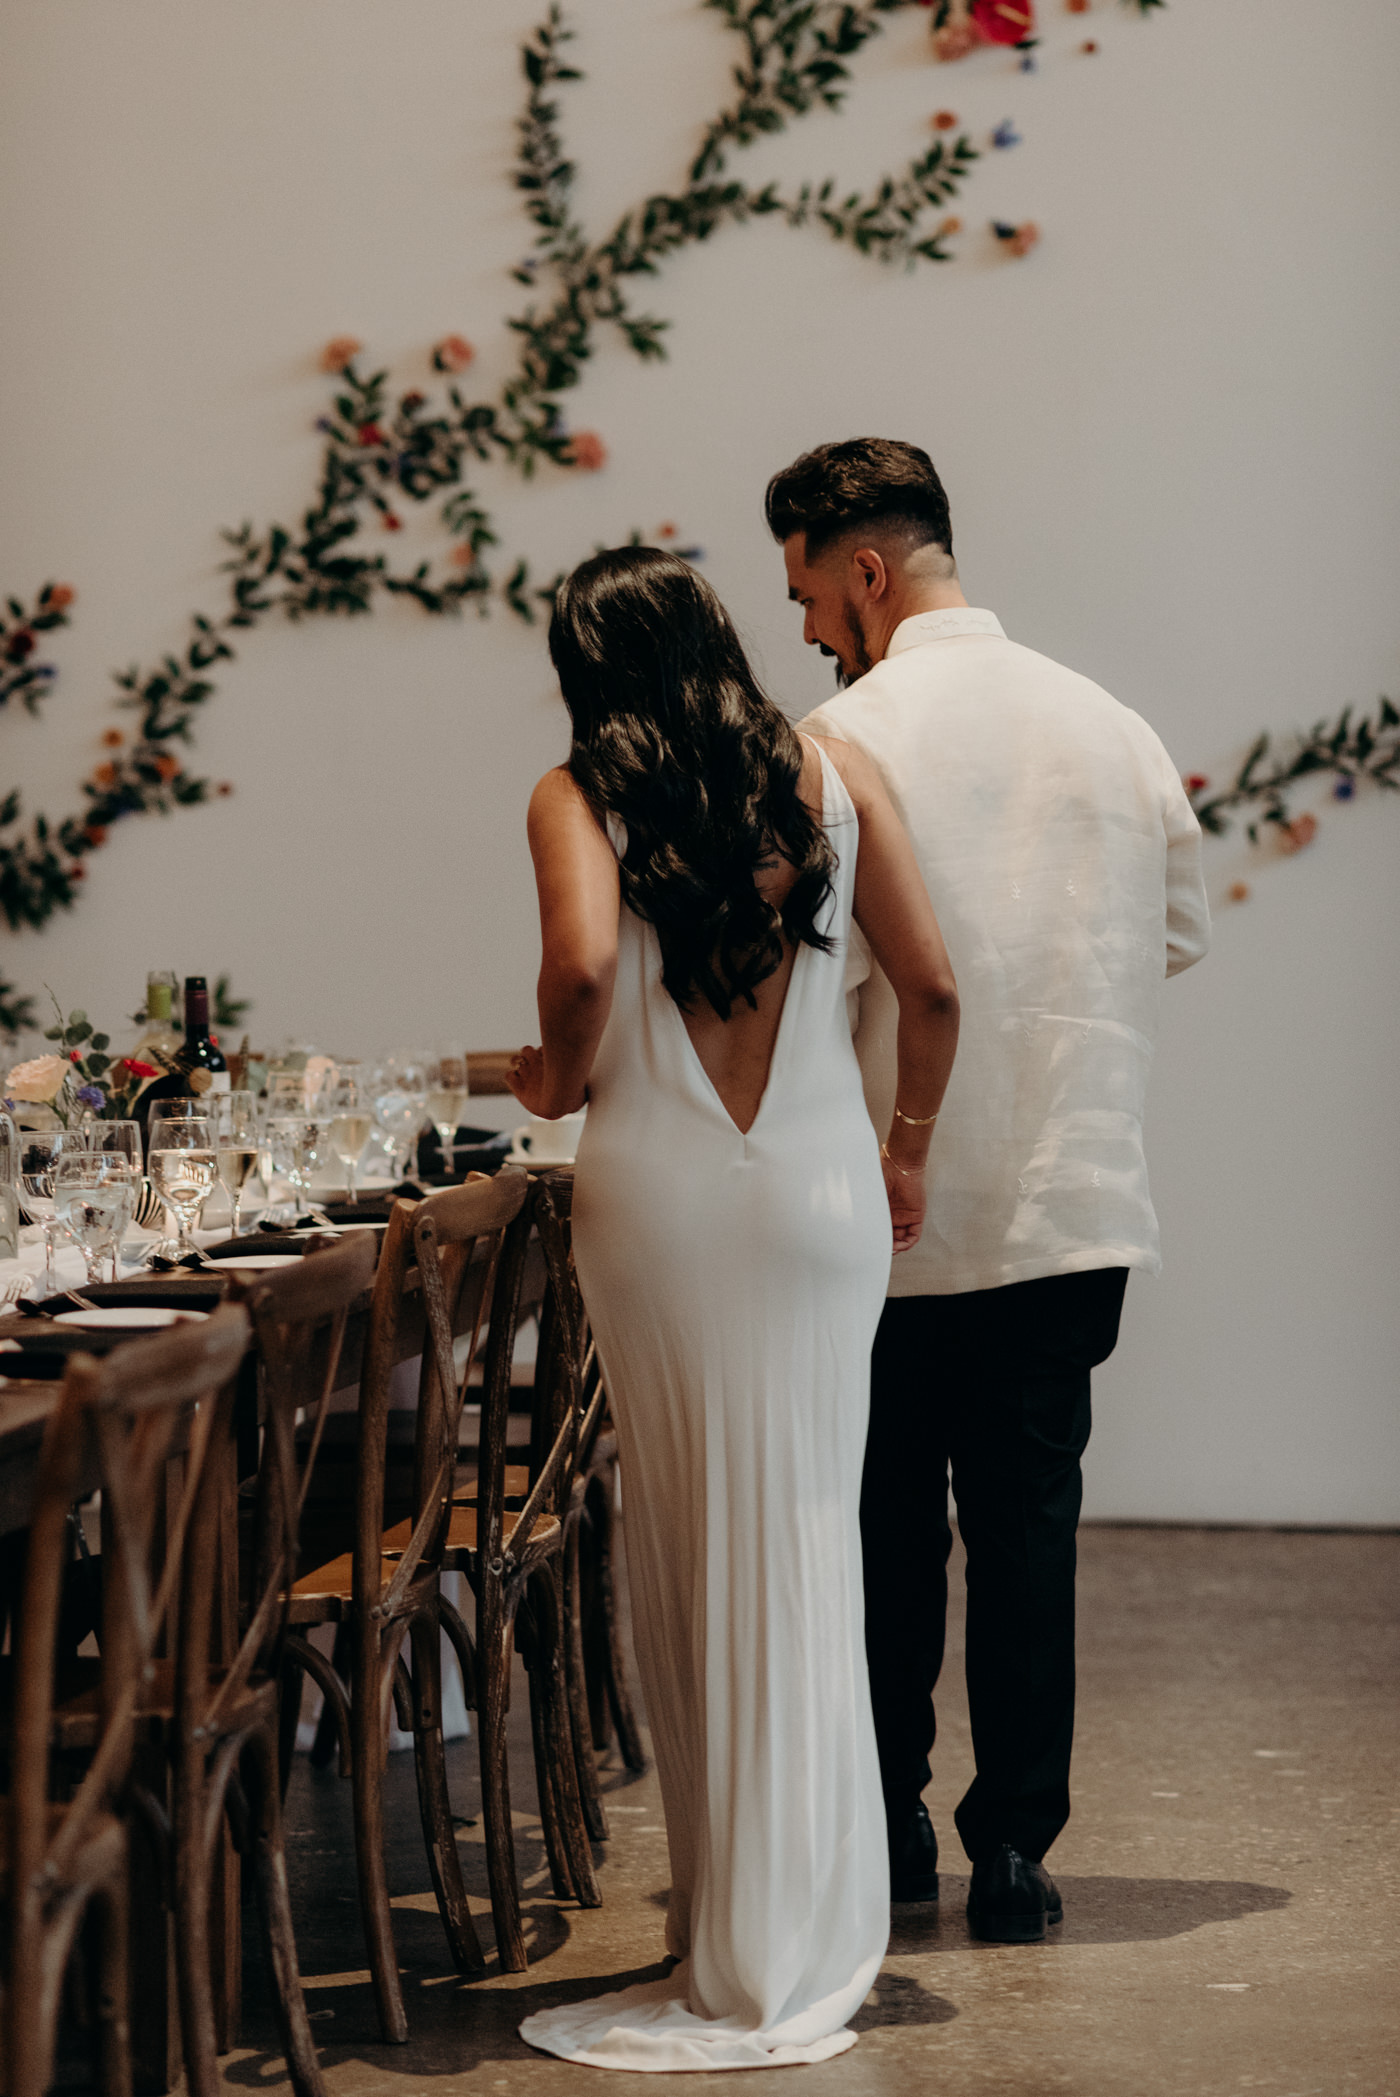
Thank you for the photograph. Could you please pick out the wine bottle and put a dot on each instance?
(160, 1039)
(201, 1053)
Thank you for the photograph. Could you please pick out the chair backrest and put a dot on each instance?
(568, 1376)
(437, 1254)
(149, 1402)
(298, 1317)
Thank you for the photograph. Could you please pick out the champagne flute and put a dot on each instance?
(94, 1200)
(447, 1100)
(183, 1147)
(350, 1122)
(237, 1119)
(39, 1152)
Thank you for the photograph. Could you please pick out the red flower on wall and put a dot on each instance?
(1004, 21)
(587, 450)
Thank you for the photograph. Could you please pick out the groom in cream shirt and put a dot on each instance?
(1063, 860)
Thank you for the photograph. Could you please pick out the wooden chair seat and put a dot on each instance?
(324, 1596)
(77, 1713)
(102, 1851)
(517, 1486)
(461, 1534)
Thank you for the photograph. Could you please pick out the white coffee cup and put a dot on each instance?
(548, 1142)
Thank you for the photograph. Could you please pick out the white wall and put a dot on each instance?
(1170, 442)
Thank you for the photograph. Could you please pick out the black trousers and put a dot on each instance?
(994, 1386)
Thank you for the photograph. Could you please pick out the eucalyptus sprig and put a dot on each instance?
(1351, 749)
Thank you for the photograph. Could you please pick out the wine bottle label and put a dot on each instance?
(204, 1081)
(218, 1080)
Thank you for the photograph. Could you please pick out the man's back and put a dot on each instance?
(1063, 861)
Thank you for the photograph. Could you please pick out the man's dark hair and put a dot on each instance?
(866, 480)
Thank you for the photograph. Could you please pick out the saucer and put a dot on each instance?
(129, 1317)
(514, 1156)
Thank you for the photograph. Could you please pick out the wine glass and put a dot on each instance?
(39, 1152)
(236, 1118)
(182, 1144)
(447, 1100)
(94, 1200)
(400, 1100)
(350, 1120)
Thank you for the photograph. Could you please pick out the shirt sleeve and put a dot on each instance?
(1188, 912)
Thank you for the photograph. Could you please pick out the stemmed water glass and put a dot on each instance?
(95, 1199)
(183, 1156)
(236, 1116)
(447, 1100)
(350, 1120)
(400, 1099)
(39, 1153)
(119, 1139)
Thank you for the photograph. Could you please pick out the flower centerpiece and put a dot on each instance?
(79, 1081)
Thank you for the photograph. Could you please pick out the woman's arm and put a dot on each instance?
(893, 911)
(576, 875)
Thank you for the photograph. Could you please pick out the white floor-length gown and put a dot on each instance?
(734, 1282)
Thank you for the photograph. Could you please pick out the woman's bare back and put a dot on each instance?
(736, 1054)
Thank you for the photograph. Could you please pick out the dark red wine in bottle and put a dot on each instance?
(201, 1053)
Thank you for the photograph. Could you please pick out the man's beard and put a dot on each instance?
(847, 674)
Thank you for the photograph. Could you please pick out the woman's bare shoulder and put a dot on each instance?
(855, 770)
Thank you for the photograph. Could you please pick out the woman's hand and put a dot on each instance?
(525, 1078)
(908, 1198)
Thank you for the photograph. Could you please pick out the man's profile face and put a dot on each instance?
(831, 609)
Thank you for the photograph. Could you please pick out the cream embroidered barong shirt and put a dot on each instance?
(1063, 860)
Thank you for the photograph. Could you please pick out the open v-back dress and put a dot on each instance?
(734, 1281)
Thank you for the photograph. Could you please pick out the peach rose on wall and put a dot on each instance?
(38, 1081)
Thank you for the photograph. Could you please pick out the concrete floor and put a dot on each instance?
(1229, 1877)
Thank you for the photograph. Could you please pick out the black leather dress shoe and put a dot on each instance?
(913, 1857)
(1012, 1899)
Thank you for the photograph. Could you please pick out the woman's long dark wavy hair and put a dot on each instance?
(672, 733)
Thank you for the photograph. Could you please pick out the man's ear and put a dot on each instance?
(872, 576)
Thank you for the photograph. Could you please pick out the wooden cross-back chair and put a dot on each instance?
(597, 1676)
(512, 1560)
(387, 1589)
(226, 1705)
(146, 1404)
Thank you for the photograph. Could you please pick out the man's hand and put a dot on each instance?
(908, 1198)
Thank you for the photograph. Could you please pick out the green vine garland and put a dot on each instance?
(380, 450)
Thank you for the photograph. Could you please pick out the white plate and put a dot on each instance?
(260, 1262)
(128, 1317)
(532, 1157)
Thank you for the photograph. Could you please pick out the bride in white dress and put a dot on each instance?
(699, 865)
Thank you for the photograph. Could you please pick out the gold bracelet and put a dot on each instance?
(908, 1172)
(914, 1121)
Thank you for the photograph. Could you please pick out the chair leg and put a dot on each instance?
(493, 1650)
(629, 1736)
(532, 1640)
(575, 1679)
(274, 1901)
(430, 1767)
(112, 1905)
(368, 1751)
(193, 1974)
(560, 1742)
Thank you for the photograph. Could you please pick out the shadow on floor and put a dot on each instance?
(455, 2027)
(1097, 1911)
(898, 1998)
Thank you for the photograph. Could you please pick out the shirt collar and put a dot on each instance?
(942, 626)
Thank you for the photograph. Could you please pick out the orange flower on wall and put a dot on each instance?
(587, 451)
(338, 352)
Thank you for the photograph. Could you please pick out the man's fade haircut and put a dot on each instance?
(840, 488)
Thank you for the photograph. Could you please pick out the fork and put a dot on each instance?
(18, 1285)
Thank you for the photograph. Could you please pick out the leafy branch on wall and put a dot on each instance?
(382, 450)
